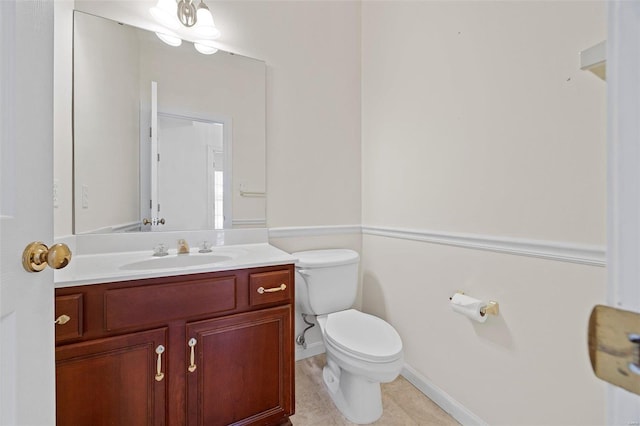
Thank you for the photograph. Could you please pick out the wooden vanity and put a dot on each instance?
(202, 349)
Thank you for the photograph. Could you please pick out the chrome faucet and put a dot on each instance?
(183, 247)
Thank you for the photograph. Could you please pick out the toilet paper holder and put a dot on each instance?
(492, 307)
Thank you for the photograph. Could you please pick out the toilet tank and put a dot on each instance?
(326, 280)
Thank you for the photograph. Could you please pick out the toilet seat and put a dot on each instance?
(363, 336)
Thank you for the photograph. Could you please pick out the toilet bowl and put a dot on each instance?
(362, 350)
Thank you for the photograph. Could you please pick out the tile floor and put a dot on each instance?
(403, 404)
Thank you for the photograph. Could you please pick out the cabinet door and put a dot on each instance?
(243, 369)
(112, 381)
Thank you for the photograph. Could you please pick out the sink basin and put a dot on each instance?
(176, 261)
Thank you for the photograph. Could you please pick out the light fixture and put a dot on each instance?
(205, 27)
(164, 13)
(187, 14)
(205, 47)
(198, 20)
(170, 39)
(172, 13)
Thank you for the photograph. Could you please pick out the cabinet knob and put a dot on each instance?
(262, 290)
(159, 373)
(62, 319)
(192, 344)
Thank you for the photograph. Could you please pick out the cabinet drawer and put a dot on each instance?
(71, 306)
(136, 306)
(269, 287)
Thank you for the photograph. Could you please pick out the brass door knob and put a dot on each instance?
(37, 256)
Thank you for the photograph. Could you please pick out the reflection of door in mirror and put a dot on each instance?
(189, 171)
(190, 155)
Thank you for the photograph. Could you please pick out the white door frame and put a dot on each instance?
(623, 169)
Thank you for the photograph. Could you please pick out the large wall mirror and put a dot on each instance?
(165, 138)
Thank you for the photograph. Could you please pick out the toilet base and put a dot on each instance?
(357, 398)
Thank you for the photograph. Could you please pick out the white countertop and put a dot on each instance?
(123, 266)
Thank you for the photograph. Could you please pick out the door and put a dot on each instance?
(154, 214)
(185, 150)
(27, 381)
(113, 381)
(189, 151)
(623, 228)
(238, 372)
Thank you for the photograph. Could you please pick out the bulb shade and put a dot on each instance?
(171, 40)
(204, 48)
(205, 28)
(165, 13)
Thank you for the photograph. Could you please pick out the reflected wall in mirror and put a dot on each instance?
(208, 112)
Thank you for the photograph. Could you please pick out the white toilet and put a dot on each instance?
(362, 350)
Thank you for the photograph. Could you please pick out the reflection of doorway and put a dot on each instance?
(190, 174)
(185, 170)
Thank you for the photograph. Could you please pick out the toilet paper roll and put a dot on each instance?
(468, 306)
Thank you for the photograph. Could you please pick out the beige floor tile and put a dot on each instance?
(403, 404)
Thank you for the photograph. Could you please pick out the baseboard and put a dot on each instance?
(440, 397)
(313, 349)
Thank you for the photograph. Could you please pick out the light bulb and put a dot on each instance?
(205, 28)
(164, 12)
(171, 40)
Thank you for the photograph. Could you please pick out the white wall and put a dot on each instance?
(62, 117)
(476, 120)
(312, 50)
(106, 113)
(479, 111)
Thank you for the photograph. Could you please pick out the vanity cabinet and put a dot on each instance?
(202, 349)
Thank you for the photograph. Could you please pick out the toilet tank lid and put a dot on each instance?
(325, 258)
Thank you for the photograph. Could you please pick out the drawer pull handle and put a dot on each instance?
(192, 344)
(263, 290)
(62, 319)
(159, 374)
